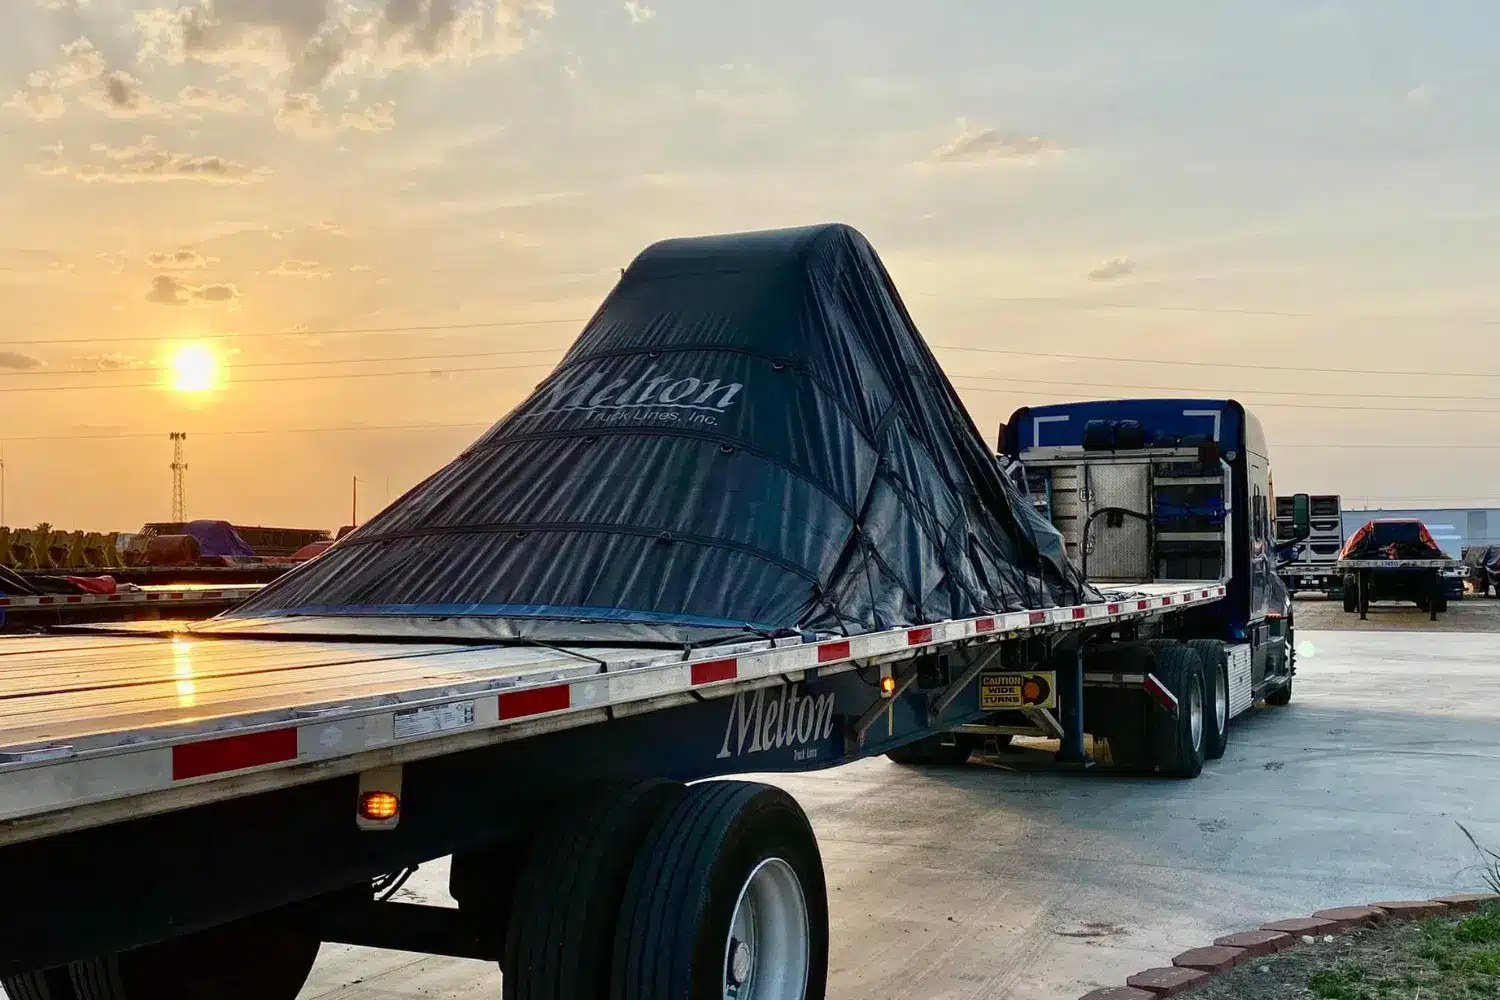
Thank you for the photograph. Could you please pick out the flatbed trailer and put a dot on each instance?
(23, 612)
(191, 813)
(1420, 580)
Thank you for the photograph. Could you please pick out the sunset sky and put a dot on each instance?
(1299, 185)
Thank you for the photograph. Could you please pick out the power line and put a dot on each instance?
(1212, 364)
(329, 332)
(1310, 406)
(239, 366)
(282, 378)
(255, 431)
(1216, 393)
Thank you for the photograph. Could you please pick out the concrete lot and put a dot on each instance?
(1001, 879)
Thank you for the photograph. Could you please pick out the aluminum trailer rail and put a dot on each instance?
(94, 729)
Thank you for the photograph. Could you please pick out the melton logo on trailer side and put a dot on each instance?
(773, 718)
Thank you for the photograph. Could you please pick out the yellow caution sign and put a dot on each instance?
(1026, 689)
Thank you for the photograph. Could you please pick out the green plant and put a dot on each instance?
(1490, 860)
(1343, 983)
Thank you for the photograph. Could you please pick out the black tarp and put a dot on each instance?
(750, 432)
(1392, 539)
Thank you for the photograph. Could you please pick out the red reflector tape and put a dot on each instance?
(833, 651)
(114, 597)
(918, 636)
(212, 593)
(1142, 605)
(1037, 617)
(153, 597)
(1158, 690)
(1166, 600)
(4, 602)
(233, 753)
(1114, 609)
(76, 599)
(984, 625)
(522, 703)
(176, 597)
(1079, 612)
(46, 600)
(715, 670)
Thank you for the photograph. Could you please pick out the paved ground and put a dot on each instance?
(1003, 880)
(1472, 614)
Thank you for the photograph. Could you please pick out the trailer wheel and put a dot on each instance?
(1351, 599)
(561, 933)
(1177, 743)
(726, 899)
(262, 958)
(1215, 656)
(932, 751)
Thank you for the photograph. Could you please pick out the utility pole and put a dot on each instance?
(354, 501)
(179, 478)
(2, 487)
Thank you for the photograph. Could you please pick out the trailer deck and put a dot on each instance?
(95, 727)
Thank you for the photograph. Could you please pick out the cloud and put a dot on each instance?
(302, 44)
(121, 95)
(64, 5)
(359, 268)
(146, 162)
(206, 99)
(18, 362)
(639, 12)
(300, 269)
(81, 62)
(1115, 267)
(303, 114)
(110, 362)
(378, 117)
(169, 290)
(184, 259)
(991, 145)
(331, 228)
(41, 99)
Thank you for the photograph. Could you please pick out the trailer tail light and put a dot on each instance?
(379, 804)
(379, 807)
(887, 682)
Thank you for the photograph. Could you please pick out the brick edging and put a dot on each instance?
(1195, 966)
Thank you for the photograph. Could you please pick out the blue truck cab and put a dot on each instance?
(1157, 490)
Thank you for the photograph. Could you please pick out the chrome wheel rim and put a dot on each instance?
(1195, 711)
(1221, 702)
(766, 956)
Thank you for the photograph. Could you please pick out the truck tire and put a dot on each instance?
(1351, 600)
(932, 751)
(561, 932)
(262, 958)
(727, 890)
(1177, 742)
(1215, 656)
(1441, 600)
(54, 984)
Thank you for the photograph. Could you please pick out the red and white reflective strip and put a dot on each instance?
(38, 779)
(131, 597)
(1164, 697)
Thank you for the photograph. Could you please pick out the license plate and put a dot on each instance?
(1029, 689)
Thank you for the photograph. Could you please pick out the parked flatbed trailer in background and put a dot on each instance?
(645, 575)
(26, 612)
(1395, 560)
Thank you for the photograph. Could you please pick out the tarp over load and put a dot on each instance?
(749, 434)
(1392, 539)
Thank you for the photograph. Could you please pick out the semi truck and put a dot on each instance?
(745, 526)
(1313, 570)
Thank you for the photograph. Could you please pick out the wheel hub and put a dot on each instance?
(740, 961)
(770, 939)
(1195, 714)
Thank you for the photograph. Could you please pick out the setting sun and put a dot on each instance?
(194, 368)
